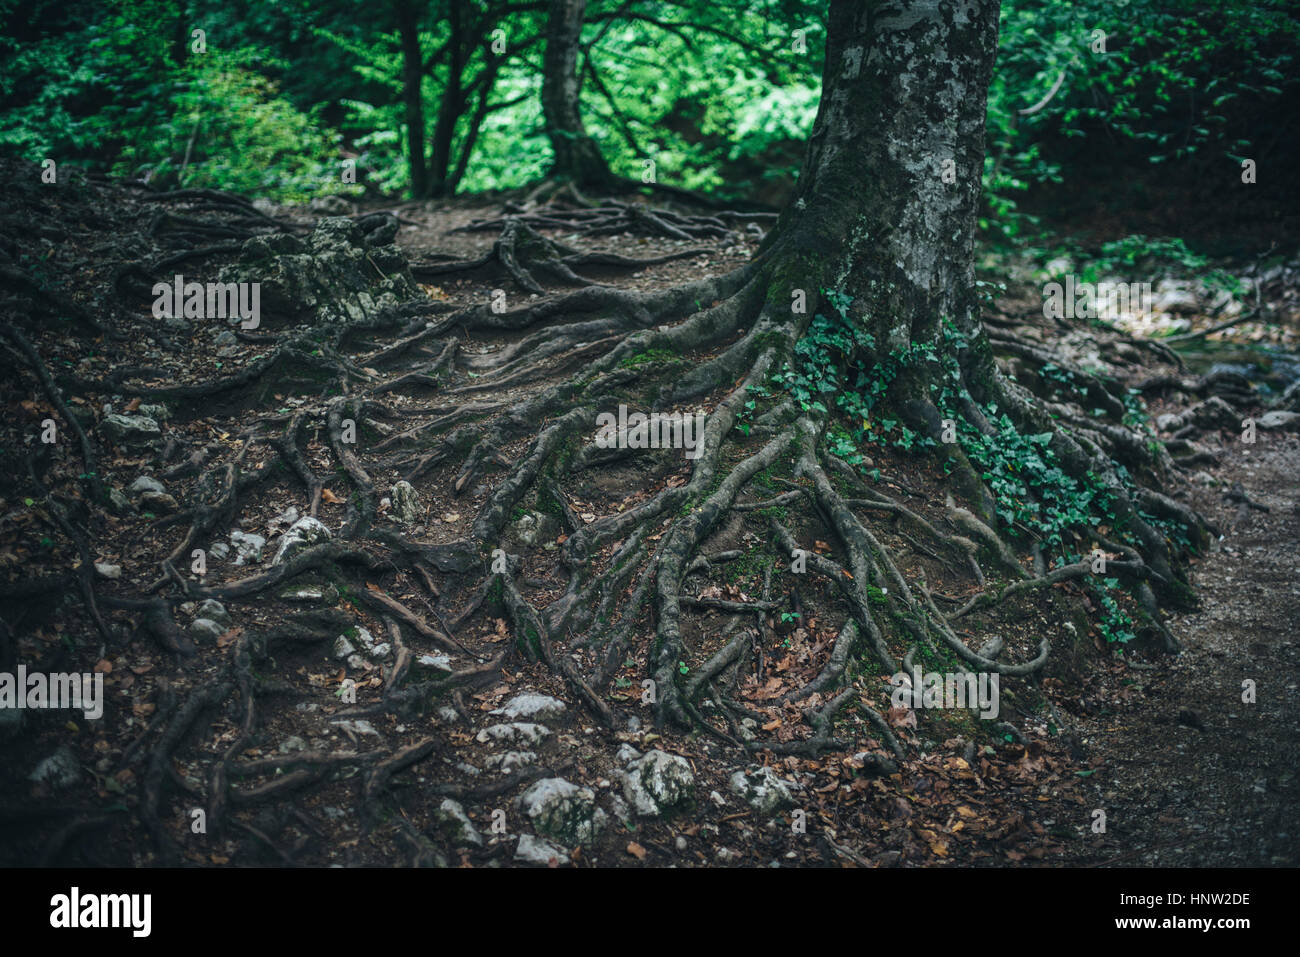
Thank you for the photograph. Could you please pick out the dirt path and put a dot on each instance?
(1189, 775)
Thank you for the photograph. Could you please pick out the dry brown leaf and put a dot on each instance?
(636, 850)
(327, 496)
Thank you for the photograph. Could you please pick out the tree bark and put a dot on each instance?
(453, 104)
(887, 200)
(412, 87)
(577, 157)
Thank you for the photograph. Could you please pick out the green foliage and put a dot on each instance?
(1178, 78)
(1115, 625)
(824, 353)
(112, 95)
(722, 96)
(1031, 489)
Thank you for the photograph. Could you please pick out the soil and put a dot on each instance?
(1186, 773)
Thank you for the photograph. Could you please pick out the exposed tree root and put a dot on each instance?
(522, 251)
(636, 577)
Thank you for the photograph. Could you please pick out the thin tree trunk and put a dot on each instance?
(577, 157)
(488, 83)
(408, 21)
(453, 103)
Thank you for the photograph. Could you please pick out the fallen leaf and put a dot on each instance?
(327, 496)
(636, 850)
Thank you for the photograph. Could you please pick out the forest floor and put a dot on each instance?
(1185, 772)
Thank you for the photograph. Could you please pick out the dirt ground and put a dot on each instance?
(1189, 774)
(1185, 772)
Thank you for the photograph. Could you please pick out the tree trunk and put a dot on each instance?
(412, 84)
(453, 103)
(887, 201)
(577, 157)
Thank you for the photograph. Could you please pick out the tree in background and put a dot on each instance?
(577, 157)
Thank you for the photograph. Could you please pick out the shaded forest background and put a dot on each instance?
(720, 95)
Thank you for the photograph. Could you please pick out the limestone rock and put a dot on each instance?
(60, 770)
(762, 790)
(658, 782)
(248, 547)
(130, 429)
(535, 850)
(563, 810)
(531, 707)
(456, 823)
(302, 534)
(145, 483)
(406, 504)
(513, 731)
(535, 529)
(205, 629)
(212, 609)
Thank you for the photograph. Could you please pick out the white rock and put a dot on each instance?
(513, 731)
(213, 610)
(457, 823)
(1289, 421)
(248, 547)
(535, 707)
(439, 663)
(511, 760)
(406, 504)
(762, 789)
(60, 770)
(145, 483)
(356, 726)
(131, 429)
(658, 782)
(535, 850)
(563, 810)
(303, 534)
(371, 646)
(205, 629)
(111, 572)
